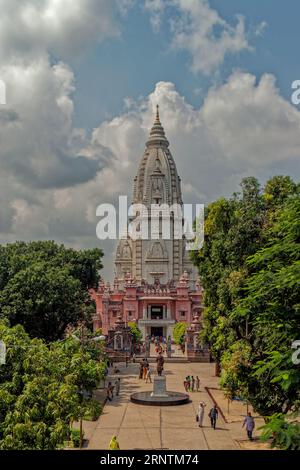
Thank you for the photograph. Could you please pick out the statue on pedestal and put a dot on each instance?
(147, 346)
(169, 346)
(160, 364)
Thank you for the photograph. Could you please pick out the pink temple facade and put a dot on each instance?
(155, 308)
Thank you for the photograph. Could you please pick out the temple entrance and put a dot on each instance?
(157, 331)
(156, 312)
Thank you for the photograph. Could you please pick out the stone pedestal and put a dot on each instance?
(159, 387)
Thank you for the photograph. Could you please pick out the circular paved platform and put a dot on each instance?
(173, 399)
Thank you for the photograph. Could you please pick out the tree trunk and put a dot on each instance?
(217, 369)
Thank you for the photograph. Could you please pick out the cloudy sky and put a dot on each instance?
(82, 81)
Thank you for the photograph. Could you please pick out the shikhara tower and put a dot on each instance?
(155, 284)
(156, 182)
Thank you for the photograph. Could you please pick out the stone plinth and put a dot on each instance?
(159, 396)
(159, 387)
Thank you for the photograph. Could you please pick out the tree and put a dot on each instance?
(44, 286)
(179, 332)
(136, 332)
(249, 266)
(272, 308)
(44, 300)
(83, 265)
(284, 434)
(40, 389)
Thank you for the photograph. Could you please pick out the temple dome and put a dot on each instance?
(157, 180)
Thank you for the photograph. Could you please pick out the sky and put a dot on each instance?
(82, 81)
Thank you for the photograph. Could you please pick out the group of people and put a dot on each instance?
(160, 344)
(191, 383)
(111, 388)
(213, 415)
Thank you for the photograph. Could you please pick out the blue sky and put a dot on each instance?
(131, 64)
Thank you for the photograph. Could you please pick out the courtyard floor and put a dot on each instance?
(148, 427)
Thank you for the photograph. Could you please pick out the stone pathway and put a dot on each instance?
(144, 427)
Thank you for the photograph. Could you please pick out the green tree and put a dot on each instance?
(271, 307)
(249, 266)
(41, 390)
(179, 332)
(136, 332)
(44, 286)
(44, 300)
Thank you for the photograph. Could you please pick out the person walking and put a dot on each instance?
(109, 391)
(117, 386)
(148, 375)
(186, 385)
(188, 382)
(197, 384)
(114, 445)
(250, 425)
(192, 383)
(200, 413)
(213, 414)
(145, 368)
(141, 370)
(133, 358)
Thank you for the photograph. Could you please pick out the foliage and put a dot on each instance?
(93, 410)
(179, 332)
(75, 437)
(43, 286)
(136, 332)
(284, 434)
(250, 269)
(43, 388)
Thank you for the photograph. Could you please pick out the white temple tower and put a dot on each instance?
(157, 182)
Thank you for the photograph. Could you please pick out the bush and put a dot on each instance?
(94, 410)
(75, 437)
(284, 434)
(136, 332)
(179, 333)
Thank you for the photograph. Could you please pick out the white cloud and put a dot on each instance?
(253, 125)
(199, 30)
(156, 9)
(40, 149)
(37, 142)
(61, 27)
(243, 128)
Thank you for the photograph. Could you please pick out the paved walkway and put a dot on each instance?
(144, 427)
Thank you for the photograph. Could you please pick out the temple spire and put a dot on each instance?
(157, 120)
(157, 136)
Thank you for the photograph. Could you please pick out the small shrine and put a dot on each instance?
(196, 350)
(119, 337)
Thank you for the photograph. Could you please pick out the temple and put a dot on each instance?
(156, 284)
